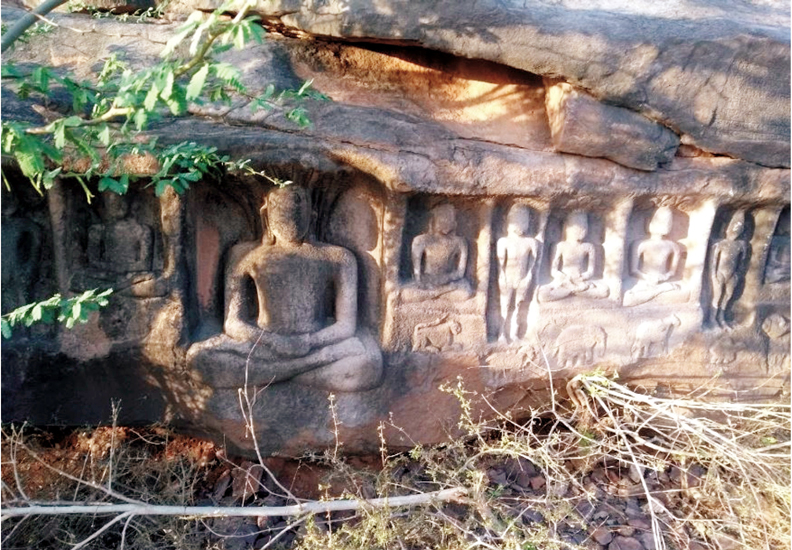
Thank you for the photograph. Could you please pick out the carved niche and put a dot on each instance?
(777, 267)
(441, 259)
(291, 309)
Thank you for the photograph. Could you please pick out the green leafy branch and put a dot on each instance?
(63, 310)
(122, 102)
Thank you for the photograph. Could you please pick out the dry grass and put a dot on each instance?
(669, 473)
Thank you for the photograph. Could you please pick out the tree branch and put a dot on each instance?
(313, 507)
(27, 20)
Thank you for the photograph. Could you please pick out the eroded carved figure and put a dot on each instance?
(777, 329)
(579, 345)
(439, 259)
(437, 336)
(120, 252)
(652, 336)
(574, 264)
(655, 261)
(21, 246)
(728, 263)
(304, 327)
(777, 269)
(517, 255)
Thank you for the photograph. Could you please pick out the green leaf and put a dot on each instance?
(197, 83)
(151, 97)
(104, 135)
(6, 328)
(167, 90)
(73, 122)
(60, 135)
(141, 118)
(184, 31)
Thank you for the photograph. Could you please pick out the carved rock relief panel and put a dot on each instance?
(439, 278)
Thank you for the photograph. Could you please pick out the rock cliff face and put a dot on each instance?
(505, 192)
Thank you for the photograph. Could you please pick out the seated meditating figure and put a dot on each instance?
(517, 254)
(727, 268)
(119, 253)
(655, 261)
(304, 328)
(574, 264)
(439, 260)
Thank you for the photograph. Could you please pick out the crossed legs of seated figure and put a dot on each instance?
(644, 292)
(559, 290)
(353, 364)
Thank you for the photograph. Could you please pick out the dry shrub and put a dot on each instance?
(608, 463)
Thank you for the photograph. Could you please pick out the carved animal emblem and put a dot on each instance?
(578, 345)
(437, 336)
(653, 335)
(724, 351)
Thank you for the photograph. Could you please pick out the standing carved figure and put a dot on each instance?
(574, 264)
(727, 268)
(439, 259)
(777, 269)
(655, 261)
(291, 310)
(517, 255)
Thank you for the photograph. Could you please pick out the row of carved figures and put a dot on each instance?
(439, 259)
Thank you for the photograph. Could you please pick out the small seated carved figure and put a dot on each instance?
(119, 253)
(439, 260)
(727, 268)
(305, 327)
(655, 261)
(574, 264)
(517, 255)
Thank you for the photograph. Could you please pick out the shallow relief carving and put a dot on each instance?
(655, 262)
(120, 252)
(23, 243)
(439, 250)
(123, 248)
(729, 258)
(518, 255)
(777, 267)
(291, 309)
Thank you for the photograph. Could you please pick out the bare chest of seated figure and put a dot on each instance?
(441, 258)
(294, 289)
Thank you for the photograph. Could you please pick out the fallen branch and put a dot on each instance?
(313, 507)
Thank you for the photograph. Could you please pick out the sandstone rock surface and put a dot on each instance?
(716, 73)
(480, 250)
(584, 126)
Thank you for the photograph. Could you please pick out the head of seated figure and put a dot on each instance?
(305, 323)
(286, 216)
